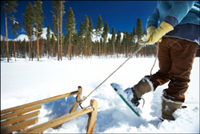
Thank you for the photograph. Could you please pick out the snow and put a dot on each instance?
(44, 32)
(14, 21)
(25, 81)
(22, 37)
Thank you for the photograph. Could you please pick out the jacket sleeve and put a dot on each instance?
(178, 11)
(153, 19)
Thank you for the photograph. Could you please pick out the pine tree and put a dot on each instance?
(80, 35)
(48, 39)
(70, 26)
(62, 12)
(52, 40)
(38, 22)
(86, 29)
(65, 43)
(2, 46)
(128, 38)
(9, 7)
(55, 12)
(134, 31)
(75, 44)
(139, 31)
(118, 41)
(124, 43)
(28, 24)
(58, 12)
(90, 33)
(113, 39)
(98, 30)
(15, 26)
(105, 36)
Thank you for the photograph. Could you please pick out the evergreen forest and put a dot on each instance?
(83, 43)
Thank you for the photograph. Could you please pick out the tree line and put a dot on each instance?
(72, 44)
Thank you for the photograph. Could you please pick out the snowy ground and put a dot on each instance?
(26, 81)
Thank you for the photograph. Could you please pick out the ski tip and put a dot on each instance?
(114, 84)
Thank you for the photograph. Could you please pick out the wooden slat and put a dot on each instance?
(38, 102)
(18, 112)
(19, 126)
(75, 105)
(57, 121)
(20, 118)
(92, 116)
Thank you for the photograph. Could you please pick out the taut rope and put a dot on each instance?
(85, 97)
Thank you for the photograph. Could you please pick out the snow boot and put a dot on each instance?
(134, 94)
(131, 96)
(169, 107)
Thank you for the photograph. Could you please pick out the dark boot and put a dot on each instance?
(143, 86)
(168, 107)
(135, 93)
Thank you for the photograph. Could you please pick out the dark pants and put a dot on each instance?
(175, 57)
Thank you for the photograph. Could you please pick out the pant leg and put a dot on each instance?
(164, 58)
(182, 54)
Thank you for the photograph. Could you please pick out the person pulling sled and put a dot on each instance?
(178, 39)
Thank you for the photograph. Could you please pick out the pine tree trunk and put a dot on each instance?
(14, 47)
(86, 46)
(105, 49)
(29, 49)
(99, 49)
(48, 49)
(117, 49)
(31, 44)
(69, 47)
(54, 50)
(81, 48)
(113, 47)
(65, 49)
(7, 37)
(42, 45)
(89, 46)
(58, 36)
(37, 42)
(61, 30)
(2, 55)
(126, 50)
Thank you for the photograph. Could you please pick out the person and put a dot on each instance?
(178, 39)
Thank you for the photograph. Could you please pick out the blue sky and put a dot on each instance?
(122, 15)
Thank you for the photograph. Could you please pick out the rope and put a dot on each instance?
(157, 49)
(85, 97)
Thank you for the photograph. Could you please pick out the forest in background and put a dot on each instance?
(50, 49)
(72, 44)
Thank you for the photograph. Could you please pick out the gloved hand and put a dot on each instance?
(157, 34)
(151, 29)
(149, 33)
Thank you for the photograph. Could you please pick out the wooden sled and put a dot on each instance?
(21, 118)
